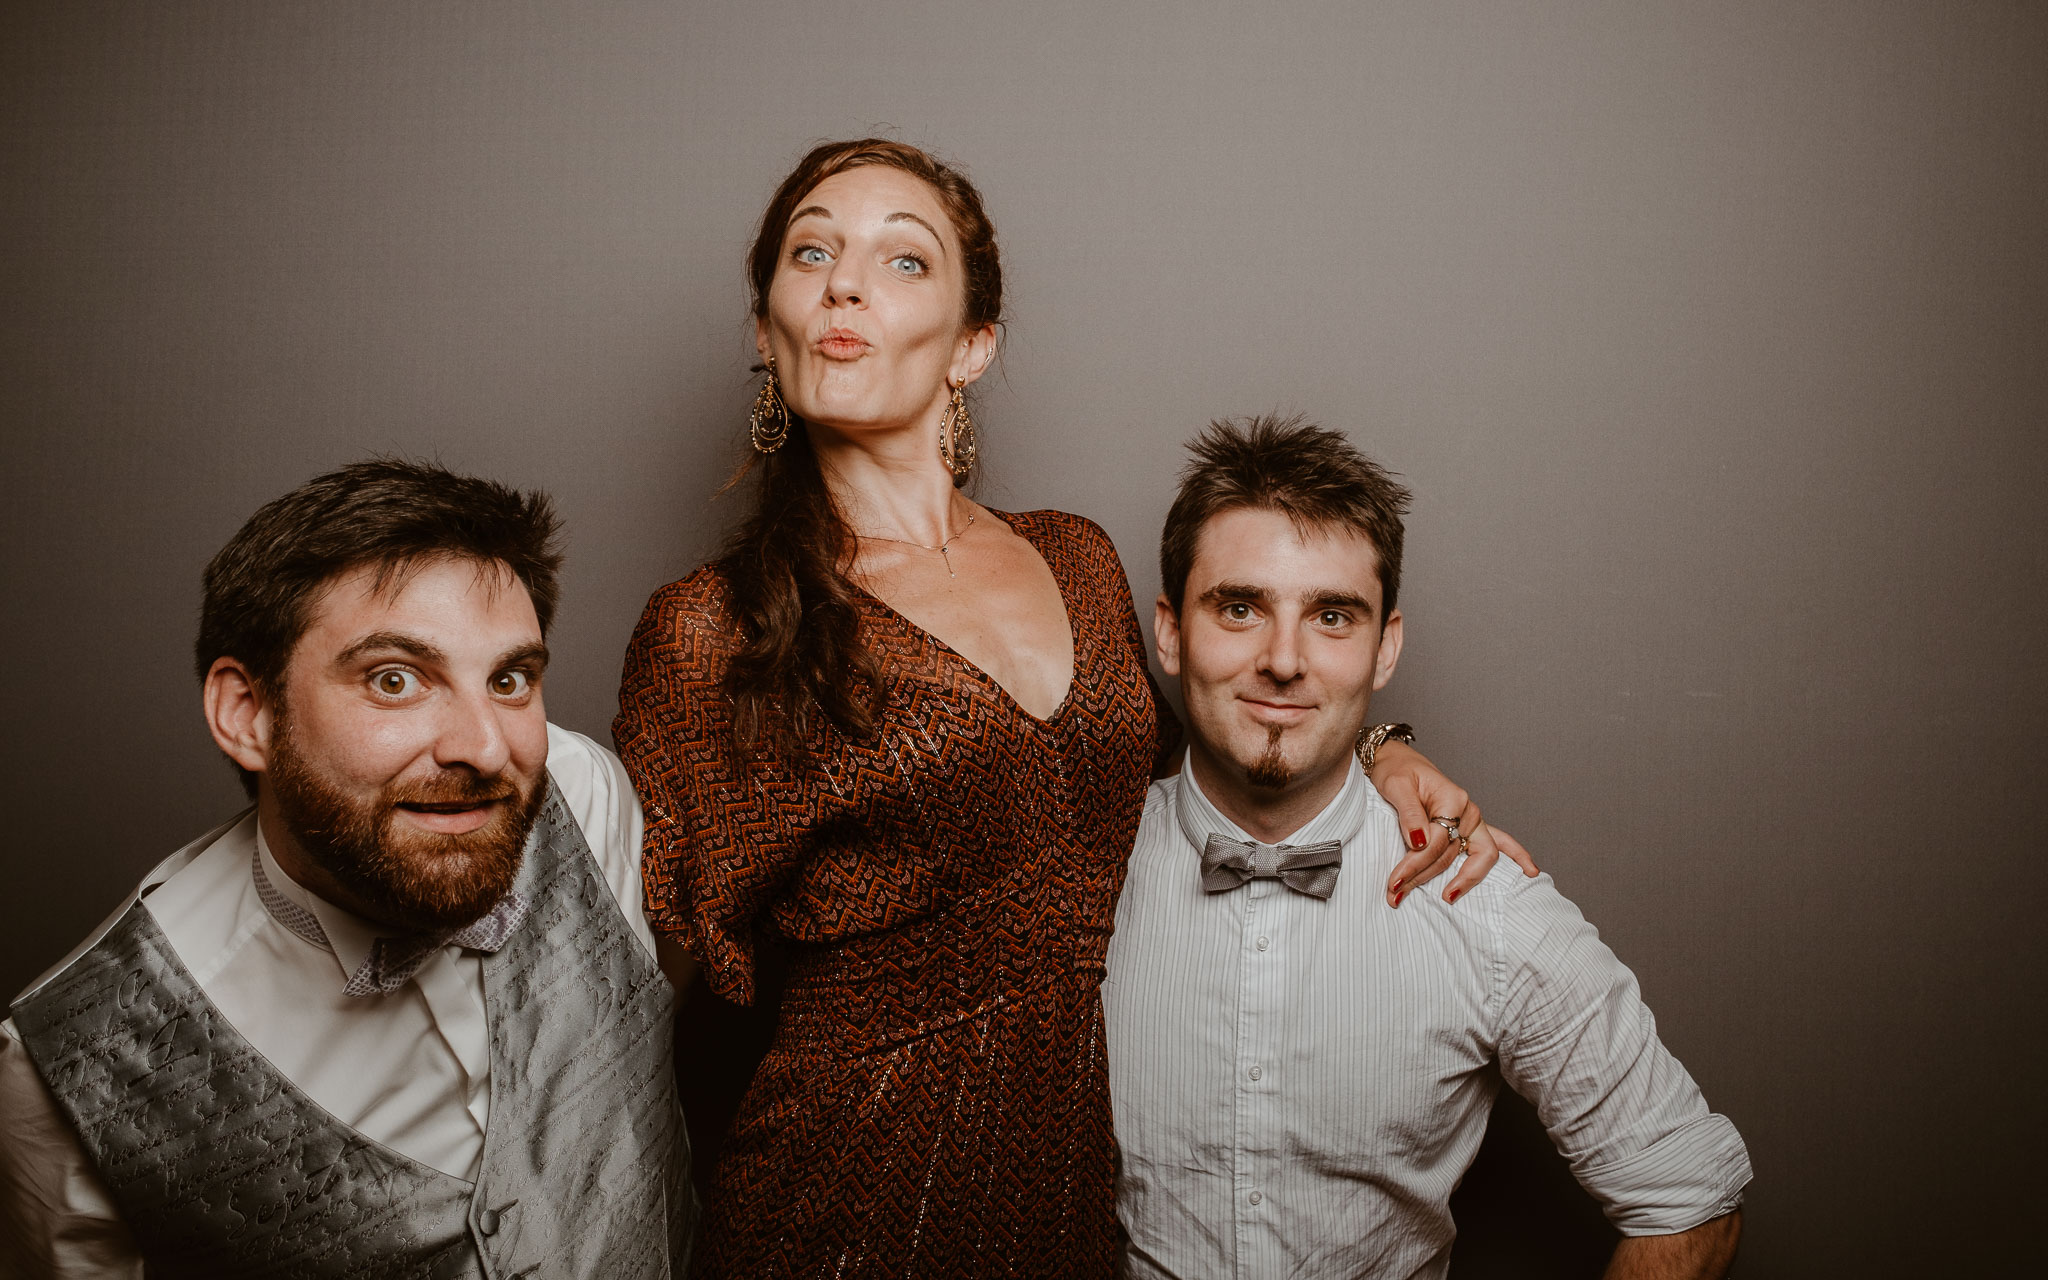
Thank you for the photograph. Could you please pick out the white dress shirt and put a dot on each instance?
(1300, 1084)
(410, 1070)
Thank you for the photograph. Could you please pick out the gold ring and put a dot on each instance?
(1450, 825)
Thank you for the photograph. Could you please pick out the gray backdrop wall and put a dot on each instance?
(1712, 337)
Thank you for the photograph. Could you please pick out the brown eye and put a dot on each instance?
(395, 682)
(511, 684)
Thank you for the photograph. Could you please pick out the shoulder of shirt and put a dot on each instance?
(1159, 797)
(1159, 818)
(589, 775)
(688, 623)
(1522, 905)
(1072, 528)
(701, 598)
(599, 794)
(180, 859)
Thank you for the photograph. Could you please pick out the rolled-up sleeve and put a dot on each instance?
(56, 1218)
(1578, 1042)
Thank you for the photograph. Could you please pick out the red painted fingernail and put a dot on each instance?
(1452, 896)
(1416, 839)
(1398, 897)
(1395, 888)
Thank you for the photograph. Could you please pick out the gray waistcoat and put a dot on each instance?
(224, 1168)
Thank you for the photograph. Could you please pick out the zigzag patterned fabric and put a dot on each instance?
(936, 1102)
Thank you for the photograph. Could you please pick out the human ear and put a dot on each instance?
(761, 337)
(1166, 635)
(971, 359)
(1390, 651)
(237, 714)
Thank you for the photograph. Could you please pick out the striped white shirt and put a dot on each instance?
(1299, 1084)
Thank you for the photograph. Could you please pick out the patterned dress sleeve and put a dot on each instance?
(724, 830)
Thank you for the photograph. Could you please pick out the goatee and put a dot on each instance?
(1271, 771)
(419, 881)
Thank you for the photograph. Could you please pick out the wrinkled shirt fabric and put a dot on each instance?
(1299, 1084)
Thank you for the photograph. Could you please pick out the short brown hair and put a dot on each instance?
(1310, 473)
(396, 515)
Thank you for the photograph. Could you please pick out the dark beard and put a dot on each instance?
(1271, 771)
(421, 882)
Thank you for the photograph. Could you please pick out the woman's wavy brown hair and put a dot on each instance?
(801, 652)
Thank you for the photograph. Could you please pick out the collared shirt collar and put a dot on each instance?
(349, 936)
(1341, 819)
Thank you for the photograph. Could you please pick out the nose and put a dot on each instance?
(471, 735)
(1281, 660)
(846, 285)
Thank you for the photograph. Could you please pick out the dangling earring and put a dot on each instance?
(768, 424)
(956, 437)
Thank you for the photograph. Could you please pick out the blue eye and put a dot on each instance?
(909, 264)
(810, 255)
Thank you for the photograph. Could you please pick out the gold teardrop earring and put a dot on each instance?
(956, 436)
(768, 424)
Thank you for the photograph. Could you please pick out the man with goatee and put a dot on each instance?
(1301, 1063)
(402, 1016)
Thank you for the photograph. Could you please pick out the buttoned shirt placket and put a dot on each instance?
(1259, 980)
(1258, 1125)
(453, 999)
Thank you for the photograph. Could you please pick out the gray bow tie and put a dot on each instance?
(1305, 868)
(393, 961)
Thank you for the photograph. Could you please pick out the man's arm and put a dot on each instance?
(1575, 1038)
(1703, 1253)
(56, 1218)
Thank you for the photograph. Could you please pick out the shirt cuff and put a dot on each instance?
(1691, 1175)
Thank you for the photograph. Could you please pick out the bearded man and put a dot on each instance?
(403, 1016)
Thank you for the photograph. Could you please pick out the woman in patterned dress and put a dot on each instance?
(907, 737)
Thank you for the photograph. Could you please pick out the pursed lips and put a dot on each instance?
(842, 344)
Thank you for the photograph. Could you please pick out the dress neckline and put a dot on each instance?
(1023, 525)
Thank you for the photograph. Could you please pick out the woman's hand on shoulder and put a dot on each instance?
(1431, 807)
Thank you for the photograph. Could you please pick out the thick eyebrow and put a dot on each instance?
(1328, 598)
(1223, 592)
(533, 655)
(1315, 597)
(809, 211)
(390, 641)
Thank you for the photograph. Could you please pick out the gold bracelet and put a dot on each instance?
(1372, 739)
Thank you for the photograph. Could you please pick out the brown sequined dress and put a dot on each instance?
(936, 1101)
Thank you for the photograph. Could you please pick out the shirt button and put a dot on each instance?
(487, 1222)
(1262, 944)
(1256, 1197)
(1255, 1073)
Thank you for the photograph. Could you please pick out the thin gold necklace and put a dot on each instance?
(944, 548)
